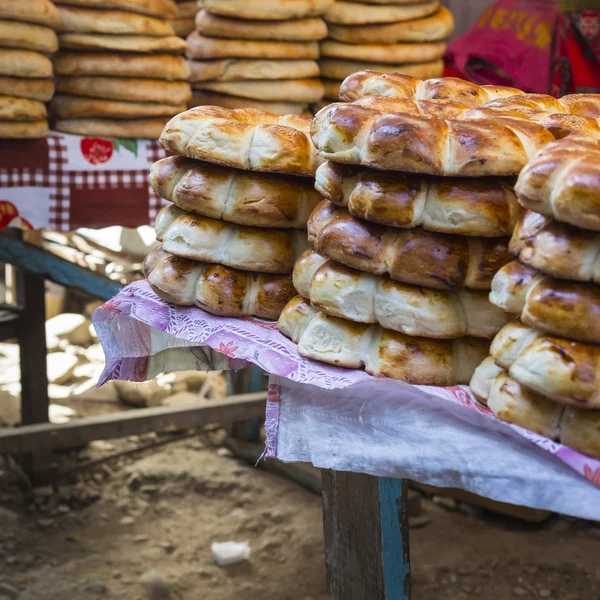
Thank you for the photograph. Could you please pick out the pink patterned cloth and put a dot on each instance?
(142, 335)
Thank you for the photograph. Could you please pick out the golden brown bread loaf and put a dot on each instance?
(183, 26)
(563, 181)
(563, 370)
(24, 63)
(232, 69)
(157, 66)
(187, 9)
(206, 98)
(271, 10)
(236, 196)
(584, 105)
(385, 53)
(339, 68)
(27, 36)
(304, 91)
(371, 83)
(415, 256)
(246, 139)
(21, 109)
(149, 128)
(565, 308)
(298, 30)
(340, 291)
(170, 44)
(35, 89)
(379, 351)
(209, 240)
(217, 289)
(23, 129)
(556, 249)
(42, 12)
(355, 134)
(433, 28)
(479, 207)
(357, 13)
(65, 106)
(165, 9)
(331, 89)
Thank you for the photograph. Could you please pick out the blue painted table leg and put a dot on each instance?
(366, 537)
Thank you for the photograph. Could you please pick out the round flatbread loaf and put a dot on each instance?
(21, 109)
(24, 63)
(355, 13)
(338, 68)
(42, 12)
(125, 88)
(165, 9)
(120, 128)
(65, 106)
(171, 44)
(234, 69)
(183, 27)
(277, 108)
(20, 129)
(27, 36)
(186, 10)
(292, 90)
(156, 66)
(433, 28)
(386, 53)
(201, 47)
(298, 30)
(115, 22)
(331, 89)
(35, 89)
(270, 10)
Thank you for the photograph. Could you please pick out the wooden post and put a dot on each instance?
(366, 536)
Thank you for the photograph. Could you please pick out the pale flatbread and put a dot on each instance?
(436, 27)
(385, 53)
(171, 44)
(270, 10)
(331, 89)
(21, 109)
(42, 12)
(125, 88)
(183, 27)
(27, 36)
(297, 30)
(187, 10)
(233, 69)
(165, 9)
(134, 128)
(24, 63)
(65, 106)
(19, 129)
(115, 22)
(201, 47)
(302, 91)
(355, 13)
(277, 108)
(21, 87)
(155, 66)
(338, 68)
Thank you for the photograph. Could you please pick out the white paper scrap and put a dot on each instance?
(230, 553)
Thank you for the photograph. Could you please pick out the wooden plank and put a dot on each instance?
(79, 432)
(366, 537)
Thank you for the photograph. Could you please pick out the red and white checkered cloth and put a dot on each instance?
(68, 181)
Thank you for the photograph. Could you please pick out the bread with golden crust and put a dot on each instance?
(236, 196)
(27, 36)
(357, 13)
(169, 44)
(121, 64)
(41, 12)
(253, 249)
(187, 9)
(385, 53)
(21, 109)
(146, 128)
(165, 9)
(381, 352)
(565, 308)
(484, 207)
(206, 98)
(183, 26)
(415, 256)
(235, 69)
(246, 139)
(303, 91)
(339, 68)
(372, 83)
(22, 87)
(355, 134)
(563, 181)
(23, 129)
(583, 105)
(270, 10)
(556, 249)
(24, 64)
(217, 289)
(562, 370)
(309, 29)
(340, 291)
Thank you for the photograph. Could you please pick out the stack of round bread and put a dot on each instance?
(389, 36)
(26, 38)
(543, 372)
(241, 185)
(418, 208)
(120, 71)
(258, 53)
(184, 22)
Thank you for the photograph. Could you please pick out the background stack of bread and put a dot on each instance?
(389, 36)
(120, 71)
(184, 22)
(544, 369)
(258, 54)
(242, 188)
(27, 37)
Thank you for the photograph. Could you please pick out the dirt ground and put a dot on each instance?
(140, 527)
